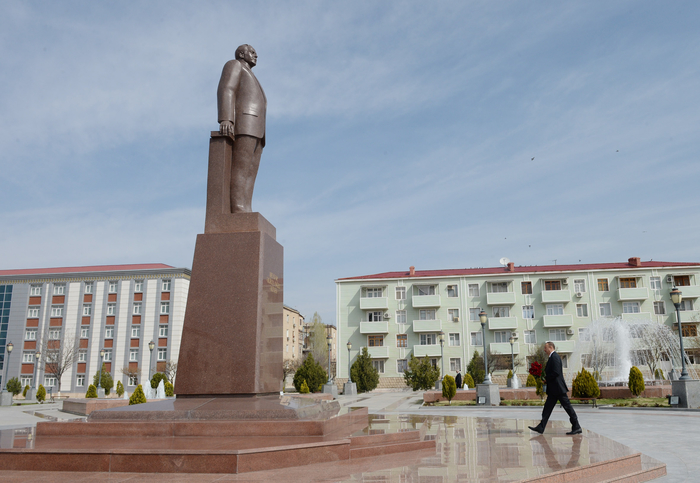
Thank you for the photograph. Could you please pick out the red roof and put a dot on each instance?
(94, 268)
(454, 272)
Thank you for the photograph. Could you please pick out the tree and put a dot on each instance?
(91, 392)
(26, 389)
(475, 368)
(120, 389)
(584, 385)
(59, 355)
(316, 340)
(289, 366)
(170, 370)
(138, 397)
(363, 372)
(41, 393)
(636, 381)
(468, 381)
(449, 388)
(311, 372)
(131, 375)
(304, 389)
(537, 354)
(421, 374)
(157, 377)
(14, 386)
(169, 389)
(106, 381)
(531, 382)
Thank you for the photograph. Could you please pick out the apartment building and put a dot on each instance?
(396, 314)
(116, 308)
(293, 334)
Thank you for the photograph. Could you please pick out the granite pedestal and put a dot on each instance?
(490, 393)
(5, 398)
(330, 389)
(350, 389)
(688, 393)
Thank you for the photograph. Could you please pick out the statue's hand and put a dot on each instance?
(226, 128)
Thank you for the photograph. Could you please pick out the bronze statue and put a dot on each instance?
(242, 105)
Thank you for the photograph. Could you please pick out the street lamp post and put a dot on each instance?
(514, 380)
(350, 388)
(438, 383)
(37, 355)
(99, 372)
(329, 339)
(349, 345)
(677, 297)
(9, 348)
(483, 318)
(151, 346)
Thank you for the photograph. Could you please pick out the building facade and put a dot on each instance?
(293, 334)
(397, 314)
(76, 312)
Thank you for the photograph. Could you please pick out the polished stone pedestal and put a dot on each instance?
(330, 389)
(490, 393)
(688, 393)
(350, 389)
(5, 398)
(101, 393)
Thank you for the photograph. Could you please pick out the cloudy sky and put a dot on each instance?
(443, 135)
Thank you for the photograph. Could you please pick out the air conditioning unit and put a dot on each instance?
(565, 282)
(579, 294)
(455, 319)
(569, 331)
(387, 315)
(669, 279)
(514, 335)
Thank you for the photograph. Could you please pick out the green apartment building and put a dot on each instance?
(396, 314)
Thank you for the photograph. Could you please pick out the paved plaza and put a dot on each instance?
(668, 436)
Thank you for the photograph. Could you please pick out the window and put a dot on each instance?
(586, 360)
(401, 340)
(80, 381)
(428, 339)
(55, 334)
(499, 287)
(27, 357)
(655, 283)
(474, 314)
(660, 308)
(453, 315)
(82, 356)
(689, 330)
(426, 314)
(433, 362)
(555, 309)
(59, 289)
(501, 311)
(584, 335)
(455, 364)
(33, 312)
(526, 288)
(605, 310)
(112, 287)
(528, 312)
(165, 308)
(111, 309)
(501, 336)
(375, 316)
(530, 337)
(636, 331)
(109, 333)
(401, 366)
(166, 286)
(133, 355)
(137, 308)
(35, 290)
(85, 332)
(579, 285)
(108, 356)
(564, 361)
(400, 316)
(87, 309)
(373, 292)
(628, 282)
(582, 310)
(378, 365)
(138, 286)
(686, 305)
(424, 290)
(681, 280)
(557, 334)
(603, 285)
(454, 340)
(473, 289)
(30, 334)
(375, 340)
(630, 307)
(136, 331)
(452, 291)
(400, 293)
(133, 380)
(162, 331)
(477, 338)
(49, 381)
(57, 311)
(88, 287)
(552, 284)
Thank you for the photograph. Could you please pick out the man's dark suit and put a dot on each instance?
(556, 391)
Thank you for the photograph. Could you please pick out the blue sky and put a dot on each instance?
(399, 133)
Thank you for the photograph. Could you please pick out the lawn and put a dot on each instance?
(642, 402)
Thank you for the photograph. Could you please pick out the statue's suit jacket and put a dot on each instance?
(242, 100)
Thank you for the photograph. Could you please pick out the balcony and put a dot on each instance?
(690, 291)
(422, 301)
(637, 316)
(498, 323)
(504, 348)
(378, 352)
(687, 315)
(639, 293)
(374, 327)
(426, 350)
(500, 298)
(565, 346)
(556, 296)
(374, 303)
(558, 320)
(427, 325)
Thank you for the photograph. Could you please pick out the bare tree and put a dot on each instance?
(130, 373)
(289, 366)
(501, 362)
(59, 355)
(170, 370)
(316, 340)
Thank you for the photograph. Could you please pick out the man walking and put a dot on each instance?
(556, 391)
(458, 380)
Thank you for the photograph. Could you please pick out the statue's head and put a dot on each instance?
(247, 54)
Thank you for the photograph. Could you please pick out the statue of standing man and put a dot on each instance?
(242, 105)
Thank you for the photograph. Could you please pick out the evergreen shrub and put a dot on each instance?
(138, 397)
(421, 374)
(120, 389)
(636, 381)
(659, 374)
(14, 386)
(157, 377)
(304, 389)
(510, 374)
(475, 368)
(311, 372)
(584, 385)
(449, 387)
(91, 392)
(41, 393)
(363, 372)
(468, 381)
(106, 382)
(531, 382)
(26, 389)
(169, 389)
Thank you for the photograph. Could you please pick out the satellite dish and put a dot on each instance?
(504, 261)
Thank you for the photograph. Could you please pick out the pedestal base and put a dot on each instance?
(5, 398)
(330, 389)
(438, 385)
(100, 392)
(488, 395)
(688, 393)
(31, 394)
(350, 389)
